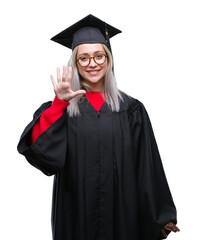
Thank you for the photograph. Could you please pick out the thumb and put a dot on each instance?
(79, 92)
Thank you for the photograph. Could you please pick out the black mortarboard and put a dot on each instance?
(88, 30)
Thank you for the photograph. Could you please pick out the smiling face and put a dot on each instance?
(94, 73)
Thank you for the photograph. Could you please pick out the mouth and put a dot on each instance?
(93, 72)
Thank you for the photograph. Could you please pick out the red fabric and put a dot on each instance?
(55, 111)
(48, 117)
(95, 99)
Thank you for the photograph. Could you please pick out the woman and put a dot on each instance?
(98, 143)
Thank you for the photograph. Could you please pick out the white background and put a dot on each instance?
(155, 62)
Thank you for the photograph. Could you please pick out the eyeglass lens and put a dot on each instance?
(98, 59)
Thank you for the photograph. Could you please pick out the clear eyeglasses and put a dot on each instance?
(99, 59)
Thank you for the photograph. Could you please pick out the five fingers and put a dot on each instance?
(63, 79)
(64, 91)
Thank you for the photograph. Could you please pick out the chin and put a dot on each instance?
(94, 80)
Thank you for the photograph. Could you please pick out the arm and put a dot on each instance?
(63, 94)
(48, 151)
(156, 206)
(48, 117)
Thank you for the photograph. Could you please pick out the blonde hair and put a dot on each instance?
(111, 91)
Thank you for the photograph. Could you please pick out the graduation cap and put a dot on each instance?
(88, 30)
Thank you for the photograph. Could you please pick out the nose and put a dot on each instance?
(92, 63)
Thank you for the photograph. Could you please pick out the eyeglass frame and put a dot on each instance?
(106, 56)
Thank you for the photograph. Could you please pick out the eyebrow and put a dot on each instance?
(93, 53)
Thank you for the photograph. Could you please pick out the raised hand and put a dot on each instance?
(171, 227)
(62, 88)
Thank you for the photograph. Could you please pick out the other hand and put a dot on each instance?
(171, 227)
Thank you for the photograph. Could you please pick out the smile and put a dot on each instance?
(93, 72)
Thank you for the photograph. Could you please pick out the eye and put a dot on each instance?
(99, 56)
(83, 58)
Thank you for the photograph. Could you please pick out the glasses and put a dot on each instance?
(98, 59)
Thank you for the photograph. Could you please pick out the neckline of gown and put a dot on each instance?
(87, 107)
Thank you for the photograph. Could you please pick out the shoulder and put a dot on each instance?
(130, 103)
(134, 107)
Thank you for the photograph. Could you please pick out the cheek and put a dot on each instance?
(105, 68)
(81, 71)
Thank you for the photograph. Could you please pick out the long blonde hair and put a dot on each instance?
(111, 91)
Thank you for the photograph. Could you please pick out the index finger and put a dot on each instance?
(69, 74)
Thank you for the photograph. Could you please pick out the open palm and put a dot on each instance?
(62, 87)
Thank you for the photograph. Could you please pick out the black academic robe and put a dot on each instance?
(109, 182)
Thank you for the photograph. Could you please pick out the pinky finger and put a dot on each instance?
(53, 80)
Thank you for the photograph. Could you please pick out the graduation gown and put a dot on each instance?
(109, 182)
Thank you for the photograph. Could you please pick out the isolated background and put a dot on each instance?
(155, 62)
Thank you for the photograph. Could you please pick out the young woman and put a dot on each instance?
(98, 143)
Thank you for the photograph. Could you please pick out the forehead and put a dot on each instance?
(89, 48)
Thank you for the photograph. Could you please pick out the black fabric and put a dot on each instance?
(88, 35)
(90, 29)
(109, 182)
(50, 156)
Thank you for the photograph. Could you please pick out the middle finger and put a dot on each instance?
(64, 74)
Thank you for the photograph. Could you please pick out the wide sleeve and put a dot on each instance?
(156, 206)
(48, 152)
(48, 117)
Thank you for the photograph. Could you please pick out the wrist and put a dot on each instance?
(59, 103)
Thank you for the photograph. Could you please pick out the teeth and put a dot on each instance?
(93, 72)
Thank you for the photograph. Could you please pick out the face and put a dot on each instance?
(93, 74)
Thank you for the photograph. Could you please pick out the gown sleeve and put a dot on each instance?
(48, 117)
(48, 152)
(156, 206)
